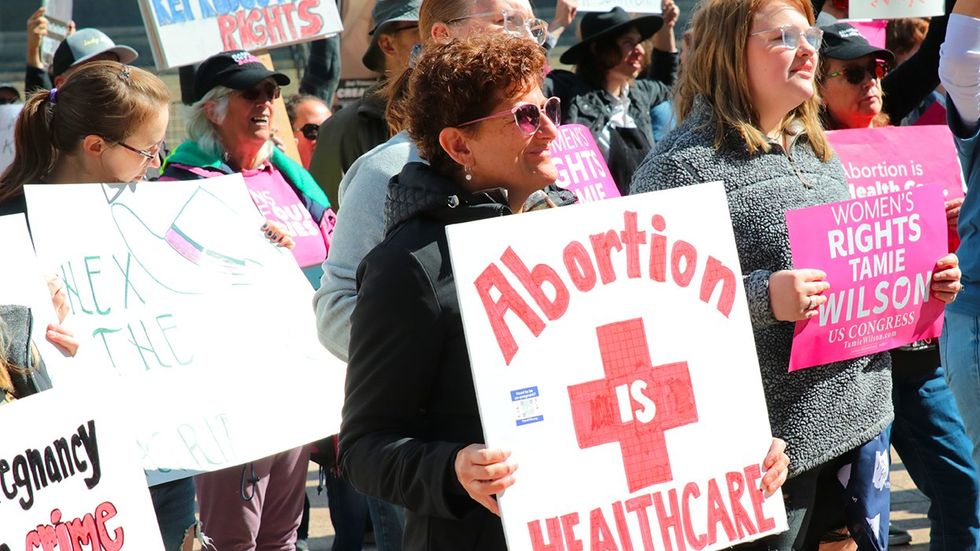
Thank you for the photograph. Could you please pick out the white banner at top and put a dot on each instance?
(631, 6)
(894, 9)
(184, 32)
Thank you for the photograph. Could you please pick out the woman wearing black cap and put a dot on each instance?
(928, 431)
(604, 93)
(258, 505)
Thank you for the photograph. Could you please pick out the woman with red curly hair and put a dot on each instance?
(411, 429)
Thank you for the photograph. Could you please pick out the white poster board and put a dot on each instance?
(59, 16)
(631, 6)
(92, 487)
(612, 352)
(8, 120)
(74, 474)
(894, 9)
(211, 326)
(182, 33)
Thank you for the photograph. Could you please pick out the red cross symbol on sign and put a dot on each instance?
(634, 404)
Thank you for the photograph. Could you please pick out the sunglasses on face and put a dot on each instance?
(855, 74)
(310, 131)
(527, 116)
(268, 91)
(792, 37)
(515, 24)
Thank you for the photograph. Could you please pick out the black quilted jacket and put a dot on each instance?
(410, 403)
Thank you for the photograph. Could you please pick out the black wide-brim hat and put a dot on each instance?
(598, 25)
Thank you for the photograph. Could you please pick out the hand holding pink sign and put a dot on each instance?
(879, 255)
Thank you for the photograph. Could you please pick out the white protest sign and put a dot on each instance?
(631, 6)
(8, 120)
(613, 353)
(182, 32)
(71, 475)
(59, 16)
(68, 467)
(208, 322)
(894, 9)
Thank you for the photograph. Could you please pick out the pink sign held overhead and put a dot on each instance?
(878, 253)
(897, 158)
(581, 167)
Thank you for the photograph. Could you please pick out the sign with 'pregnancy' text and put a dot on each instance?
(581, 167)
(879, 253)
(611, 342)
(183, 32)
(70, 475)
(175, 289)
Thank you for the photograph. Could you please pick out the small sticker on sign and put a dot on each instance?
(526, 407)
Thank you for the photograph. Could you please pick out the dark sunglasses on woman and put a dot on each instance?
(527, 116)
(855, 74)
(269, 91)
(310, 131)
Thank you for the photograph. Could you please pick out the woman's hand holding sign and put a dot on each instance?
(946, 278)
(776, 464)
(795, 295)
(484, 473)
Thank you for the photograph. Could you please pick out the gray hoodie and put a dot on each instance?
(822, 411)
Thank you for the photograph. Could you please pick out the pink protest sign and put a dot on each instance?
(581, 168)
(895, 158)
(878, 253)
(873, 31)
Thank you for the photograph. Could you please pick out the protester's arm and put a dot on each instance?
(664, 39)
(35, 75)
(565, 11)
(396, 347)
(911, 82)
(959, 67)
(322, 74)
(360, 227)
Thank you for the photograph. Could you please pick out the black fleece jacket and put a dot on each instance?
(410, 404)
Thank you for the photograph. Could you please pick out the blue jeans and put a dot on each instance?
(959, 347)
(349, 511)
(928, 433)
(173, 503)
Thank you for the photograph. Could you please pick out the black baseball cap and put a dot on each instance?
(844, 42)
(84, 44)
(384, 13)
(237, 69)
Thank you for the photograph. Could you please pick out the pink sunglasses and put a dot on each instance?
(527, 115)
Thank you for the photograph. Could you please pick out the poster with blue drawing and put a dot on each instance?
(177, 290)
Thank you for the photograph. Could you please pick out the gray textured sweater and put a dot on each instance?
(823, 411)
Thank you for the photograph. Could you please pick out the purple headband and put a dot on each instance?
(52, 95)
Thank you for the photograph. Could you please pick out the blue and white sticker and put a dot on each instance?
(526, 407)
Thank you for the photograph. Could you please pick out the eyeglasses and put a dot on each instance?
(515, 24)
(527, 116)
(855, 74)
(310, 131)
(270, 92)
(792, 36)
(149, 153)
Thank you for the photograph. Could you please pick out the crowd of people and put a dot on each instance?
(457, 129)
